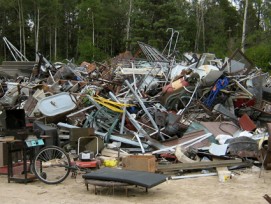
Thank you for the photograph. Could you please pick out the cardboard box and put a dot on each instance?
(139, 163)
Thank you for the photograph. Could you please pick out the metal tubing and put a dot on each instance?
(129, 115)
(74, 113)
(182, 110)
(243, 88)
(122, 120)
(151, 141)
(144, 108)
(123, 140)
(135, 123)
(195, 140)
(193, 176)
(94, 102)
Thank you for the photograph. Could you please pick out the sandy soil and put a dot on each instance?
(244, 187)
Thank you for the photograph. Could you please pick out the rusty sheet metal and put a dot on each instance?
(187, 137)
(243, 147)
(246, 123)
(264, 111)
(217, 128)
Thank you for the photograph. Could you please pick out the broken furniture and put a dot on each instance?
(18, 140)
(42, 129)
(111, 184)
(24, 150)
(27, 152)
(138, 178)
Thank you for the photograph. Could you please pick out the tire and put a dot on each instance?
(51, 165)
(178, 99)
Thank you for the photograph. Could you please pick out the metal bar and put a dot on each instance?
(144, 108)
(134, 78)
(195, 140)
(128, 114)
(123, 140)
(122, 120)
(15, 50)
(151, 53)
(180, 112)
(66, 125)
(151, 141)
(154, 129)
(193, 176)
(7, 44)
(150, 73)
(52, 77)
(176, 40)
(94, 102)
(172, 33)
(139, 141)
(243, 88)
(72, 114)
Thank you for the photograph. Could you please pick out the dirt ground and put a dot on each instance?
(245, 187)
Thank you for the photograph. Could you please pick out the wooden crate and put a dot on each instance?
(139, 163)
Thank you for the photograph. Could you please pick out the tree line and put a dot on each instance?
(94, 30)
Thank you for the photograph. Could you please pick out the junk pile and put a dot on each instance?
(149, 112)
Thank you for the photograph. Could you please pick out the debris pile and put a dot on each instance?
(183, 113)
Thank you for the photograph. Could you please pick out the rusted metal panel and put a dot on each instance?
(216, 128)
(187, 137)
(246, 123)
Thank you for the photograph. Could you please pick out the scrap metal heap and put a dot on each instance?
(178, 111)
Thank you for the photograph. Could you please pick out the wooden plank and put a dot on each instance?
(201, 165)
(113, 153)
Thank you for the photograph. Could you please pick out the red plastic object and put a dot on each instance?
(244, 102)
(246, 123)
(18, 168)
(87, 164)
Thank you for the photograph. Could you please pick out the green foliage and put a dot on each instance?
(88, 52)
(260, 56)
(93, 30)
(259, 49)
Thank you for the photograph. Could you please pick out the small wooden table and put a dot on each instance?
(15, 145)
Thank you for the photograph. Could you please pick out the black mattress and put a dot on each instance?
(140, 178)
